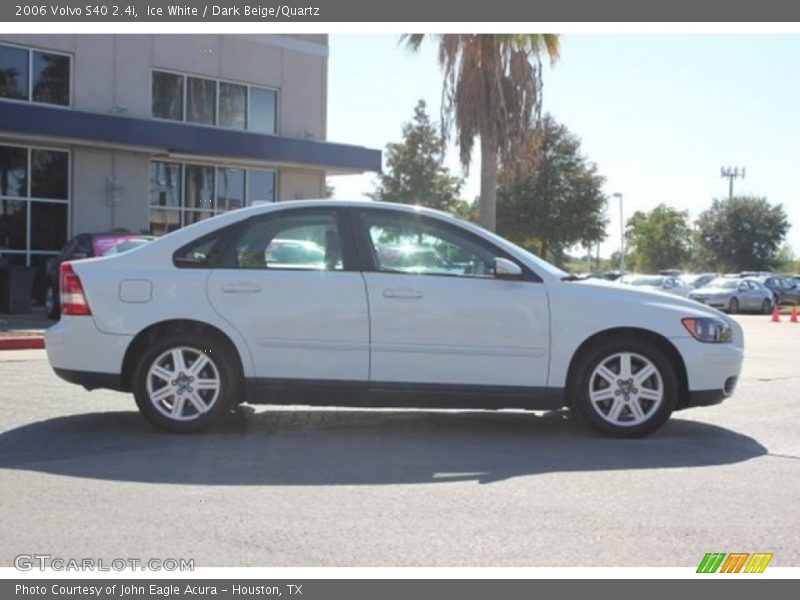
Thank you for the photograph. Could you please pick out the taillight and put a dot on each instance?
(73, 300)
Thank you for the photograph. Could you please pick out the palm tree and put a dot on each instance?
(492, 90)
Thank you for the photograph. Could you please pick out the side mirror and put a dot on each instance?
(506, 269)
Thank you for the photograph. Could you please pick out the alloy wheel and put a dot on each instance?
(183, 383)
(626, 389)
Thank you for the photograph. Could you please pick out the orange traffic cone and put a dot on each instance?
(776, 316)
(793, 317)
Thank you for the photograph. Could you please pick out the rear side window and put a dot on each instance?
(307, 241)
(202, 253)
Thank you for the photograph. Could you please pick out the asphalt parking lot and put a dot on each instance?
(82, 475)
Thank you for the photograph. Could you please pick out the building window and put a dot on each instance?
(201, 101)
(168, 96)
(34, 203)
(34, 75)
(233, 105)
(185, 193)
(179, 97)
(262, 110)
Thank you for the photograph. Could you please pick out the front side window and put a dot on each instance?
(414, 245)
(308, 241)
(34, 75)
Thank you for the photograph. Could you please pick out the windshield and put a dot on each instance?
(726, 284)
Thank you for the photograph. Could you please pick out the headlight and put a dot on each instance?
(708, 329)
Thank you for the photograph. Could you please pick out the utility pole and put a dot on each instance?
(621, 235)
(731, 173)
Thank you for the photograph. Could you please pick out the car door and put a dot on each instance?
(286, 282)
(438, 313)
(755, 295)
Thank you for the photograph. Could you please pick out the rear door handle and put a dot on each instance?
(241, 288)
(402, 294)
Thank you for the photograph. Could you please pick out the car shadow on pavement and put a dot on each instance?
(351, 447)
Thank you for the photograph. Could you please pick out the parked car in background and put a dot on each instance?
(465, 319)
(129, 245)
(659, 283)
(83, 245)
(734, 295)
(698, 280)
(784, 290)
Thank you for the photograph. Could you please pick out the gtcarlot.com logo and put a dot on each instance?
(42, 562)
(735, 562)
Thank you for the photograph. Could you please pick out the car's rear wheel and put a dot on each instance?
(733, 306)
(186, 382)
(52, 309)
(766, 306)
(625, 388)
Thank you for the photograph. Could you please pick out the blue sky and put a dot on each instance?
(658, 113)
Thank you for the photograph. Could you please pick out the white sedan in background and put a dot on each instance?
(207, 317)
(659, 283)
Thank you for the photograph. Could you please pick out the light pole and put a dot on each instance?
(621, 235)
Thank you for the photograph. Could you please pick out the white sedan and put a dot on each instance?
(660, 283)
(208, 317)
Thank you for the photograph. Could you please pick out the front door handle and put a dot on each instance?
(402, 294)
(241, 288)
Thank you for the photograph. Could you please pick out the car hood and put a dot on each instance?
(639, 295)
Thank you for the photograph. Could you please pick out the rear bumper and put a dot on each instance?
(75, 345)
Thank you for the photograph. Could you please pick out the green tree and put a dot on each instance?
(743, 233)
(415, 171)
(492, 90)
(558, 201)
(659, 239)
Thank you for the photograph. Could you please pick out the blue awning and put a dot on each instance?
(181, 138)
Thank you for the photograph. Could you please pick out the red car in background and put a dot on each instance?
(83, 245)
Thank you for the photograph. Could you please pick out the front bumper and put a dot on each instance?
(712, 370)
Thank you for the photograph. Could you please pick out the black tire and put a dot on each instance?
(733, 306)
(52, 304)
(766, 306)
(580, 385)
(225, 368)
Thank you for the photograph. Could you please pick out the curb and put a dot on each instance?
(31, 342)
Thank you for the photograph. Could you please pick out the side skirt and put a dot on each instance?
(401, 395)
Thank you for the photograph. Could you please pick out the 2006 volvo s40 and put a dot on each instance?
(376, 305)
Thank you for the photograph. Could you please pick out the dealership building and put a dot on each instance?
(155, 132)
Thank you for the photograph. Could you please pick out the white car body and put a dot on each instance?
(502, 342)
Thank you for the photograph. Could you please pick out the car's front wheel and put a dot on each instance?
(625, 388)
(766, 306)
(185, 382)
(733, 306)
